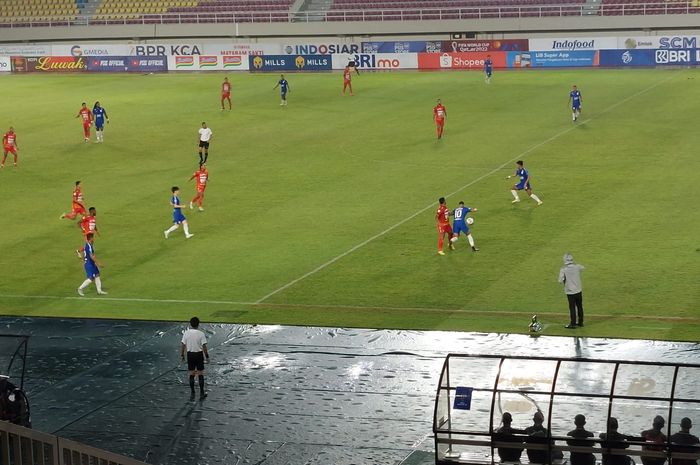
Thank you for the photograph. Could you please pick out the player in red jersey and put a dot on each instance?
(87, 117)
(439, 114)
(9, 142)
(88, 225)
(225, 93)
(442, 218)
(201, 177)
(78, 207)
(347, 80)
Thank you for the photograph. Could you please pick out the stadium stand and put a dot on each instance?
(54, 12)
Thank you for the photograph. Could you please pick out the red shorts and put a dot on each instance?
(86, 124)
(226, 95)
(445, 228)
(440, 122)
(11, 149)
(200, 189)
(78, 209)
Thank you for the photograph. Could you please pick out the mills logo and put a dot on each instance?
(184, 62)
(232, 61)
(300, 62)
(257, 62)
(208, 61)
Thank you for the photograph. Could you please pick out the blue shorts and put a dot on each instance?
(523, 185)
(488, 72)
(99, 124)
(178, 217)
(459, 227)
(283, 94)
(91, 270)
(576, 107)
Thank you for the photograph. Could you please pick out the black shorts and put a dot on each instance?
(203, 144)
(195, 361)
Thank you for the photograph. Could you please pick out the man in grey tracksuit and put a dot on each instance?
(570, 275)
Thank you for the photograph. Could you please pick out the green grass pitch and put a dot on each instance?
(322, 212)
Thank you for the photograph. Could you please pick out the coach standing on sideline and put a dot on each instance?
(194, 342)
(570, 276)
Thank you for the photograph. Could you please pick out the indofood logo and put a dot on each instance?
(627, 58)
(299, 62)
(257, 62)
(573, 44)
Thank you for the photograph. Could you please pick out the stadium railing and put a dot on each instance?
(475, 390)
(19, 446)
(378, 14)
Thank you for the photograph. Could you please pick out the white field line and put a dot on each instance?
(470, 183)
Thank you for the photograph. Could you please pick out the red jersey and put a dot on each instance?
(9, 139)
(439, 111)
(347, 75)
(201, 177)
(88, 224)
(443, 215)
(86, 114)
(226, 88)
(77, 195)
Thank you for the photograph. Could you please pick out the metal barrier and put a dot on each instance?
(475, 391)
(367, 14)
(23, 446)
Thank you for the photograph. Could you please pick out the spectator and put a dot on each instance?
(656, 440)
(507, 434)
(537, 434)
(581, 435)
(616, 441)
(688, 441)
(570, 276)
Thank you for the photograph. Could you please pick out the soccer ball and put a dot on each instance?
(470, 220)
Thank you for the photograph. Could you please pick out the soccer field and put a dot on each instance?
(322, 212)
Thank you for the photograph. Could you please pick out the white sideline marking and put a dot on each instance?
(470, 183)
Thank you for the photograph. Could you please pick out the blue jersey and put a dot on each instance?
(461, 213)
(99, 113)
(575, 97)
(524, 176)
(178, 217)
(488, 64)
(89, 252)
(284, 85)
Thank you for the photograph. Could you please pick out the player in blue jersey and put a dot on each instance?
(92, 271)
(488, 68)
(575, 101)
(459, 224)
(524, 183)
(100, 115)
(178, 217)
(284, 88)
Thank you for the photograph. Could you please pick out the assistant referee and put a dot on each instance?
(194, 343)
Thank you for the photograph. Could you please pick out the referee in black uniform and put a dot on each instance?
(194, 343)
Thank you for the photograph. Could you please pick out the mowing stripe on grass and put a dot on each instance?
(470, 183)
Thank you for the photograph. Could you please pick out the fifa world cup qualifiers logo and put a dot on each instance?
(299, 62)
(257, 62)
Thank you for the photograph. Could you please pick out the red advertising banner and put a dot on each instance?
(49, 64)
(472, 45)
(473, 60)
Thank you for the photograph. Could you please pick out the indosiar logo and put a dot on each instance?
(257, 62)
(300, 62)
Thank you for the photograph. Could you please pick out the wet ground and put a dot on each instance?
(277, 395)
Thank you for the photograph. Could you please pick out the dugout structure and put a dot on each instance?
(475, 390)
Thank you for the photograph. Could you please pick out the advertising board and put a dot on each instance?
(563, 59)
(463, 46)
(320, 49)
(377, 60)
(407, 46)
(290, 62)
(231, 49)
(573, 43)
(470, 60)
(126, 64)
(49, 64)
(654, 42)
(645, 57)
(92, 50)
(5, 64)
(165, 49)
(25, 50)
(208, 62)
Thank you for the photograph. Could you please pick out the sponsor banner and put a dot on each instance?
(164, 49)
(377, 60)
(409, 46)
(90, 50)
(658, 42)
(25, 50)
(108, 63)
(564, 59)
(463, 46)
(645, 57)
(208, 62)
(49, 64)
(290, 62)
(5, 64)
(241, 49)
(574, 43)
(471, 60)
(147, 64)
(320, 49)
